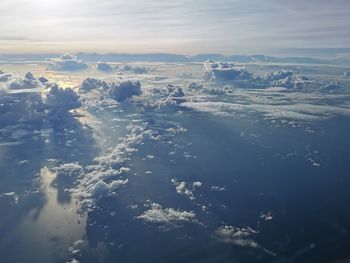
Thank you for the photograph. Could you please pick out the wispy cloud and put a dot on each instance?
(183, 26)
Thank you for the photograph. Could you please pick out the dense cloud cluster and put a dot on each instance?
(67, 63)
(90, 84)
(125, 90)
(286, 79)
(25, 99)
(224, 71)
(117, 91)
(59, 99)
(229, 72)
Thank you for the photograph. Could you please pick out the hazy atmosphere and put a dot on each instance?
(179, 131)
(185, 27)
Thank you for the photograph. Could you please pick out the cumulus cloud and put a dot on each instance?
(125, 90)
(25, 99)
(243, 237)
(116, 91)
(167, 216)
(229, 72)
(20, 99)
(104, 66)
(101, 188)
(286, 79)
(224, 71)
(60, 100)
(237, 236)
(9, 81)
(72, 170)
(186, 188)
(67, 63)
(89, 84)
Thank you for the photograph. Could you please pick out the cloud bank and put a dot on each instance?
(67, 63)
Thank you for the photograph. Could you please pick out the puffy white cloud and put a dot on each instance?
(116, 91)
(104, 66)
(20, 99)
(60, 100)
(286, 79)
(224, 71)
(89, 84)
(73, 170)
(237, 236)
(229, 72)
(125, 90)
(168, 216)
(9, 81)
(102, 188)
(186, 188)
(243, 237)
(67, 63)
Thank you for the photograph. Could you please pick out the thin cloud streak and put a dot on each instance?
(182, 26)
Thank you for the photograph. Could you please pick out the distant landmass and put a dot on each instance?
(343, 58)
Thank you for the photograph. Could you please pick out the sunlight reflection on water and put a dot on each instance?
(47, 233)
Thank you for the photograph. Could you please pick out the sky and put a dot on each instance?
(182, 26)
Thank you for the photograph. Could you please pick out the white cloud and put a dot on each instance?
(184, 188)
(167, 216)
(60, 100)
(286, 79)
(73, 170)
(67, 63)
(238, 236)
(224, 71)
(89, 84)
(230, 73)
(125, 90)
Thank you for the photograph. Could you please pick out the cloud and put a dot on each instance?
(186, 188)
(89, 84)
(104, 66)
(167, 216)
(60, 100)
(102, 188)
(67, 63)
(243, 237)
(125, 90)
(286, 79)
(20, 99)
(134, 69)
(297, 112)
(237, 236)
(224, 71)
(239, 76)
(72, 170)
